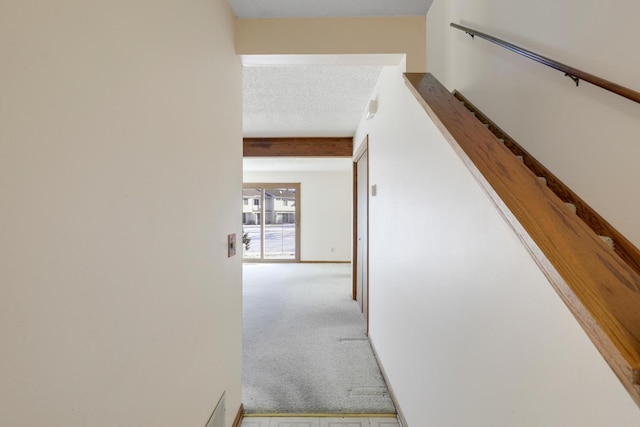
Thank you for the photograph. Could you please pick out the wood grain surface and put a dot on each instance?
(622, 246)
(298, 147)
(599, 288)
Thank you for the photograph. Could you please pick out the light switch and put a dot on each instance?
(231, 248)
(374, 190)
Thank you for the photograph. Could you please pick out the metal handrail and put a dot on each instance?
(575, 74)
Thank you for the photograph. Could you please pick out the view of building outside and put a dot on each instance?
(278, 208)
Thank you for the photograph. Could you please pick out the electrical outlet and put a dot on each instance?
(231, 246)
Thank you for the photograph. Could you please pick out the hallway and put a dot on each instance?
(305, 346)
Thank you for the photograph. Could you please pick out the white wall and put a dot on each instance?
(468, 329)
(326, 216)
(587, 136)
(118, 122)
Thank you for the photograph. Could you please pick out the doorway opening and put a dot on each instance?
(271, 222)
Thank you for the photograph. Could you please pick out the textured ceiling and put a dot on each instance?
(306, 100)
(327, 8)
(318, 100)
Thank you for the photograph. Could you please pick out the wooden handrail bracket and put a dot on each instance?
(574, 73)
(600, 289)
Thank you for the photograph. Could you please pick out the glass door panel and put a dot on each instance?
(280, 223)
(252, 223)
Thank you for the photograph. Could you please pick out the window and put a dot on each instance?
(270, 228)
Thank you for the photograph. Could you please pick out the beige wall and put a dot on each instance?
(468, 329)
(119, 121)
(335, 36)
(585, 135)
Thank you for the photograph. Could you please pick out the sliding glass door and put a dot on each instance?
(252, 222)
(270, 221)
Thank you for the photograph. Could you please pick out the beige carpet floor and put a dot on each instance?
(305, 344)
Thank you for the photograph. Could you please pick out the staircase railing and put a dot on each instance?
(574, 73)
(598, 286)
(609, 234)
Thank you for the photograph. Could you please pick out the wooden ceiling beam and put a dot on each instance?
(298, 147)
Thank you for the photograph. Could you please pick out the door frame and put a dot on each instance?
(362, 150)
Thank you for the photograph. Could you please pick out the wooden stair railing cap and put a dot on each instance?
(600, 289)
(621, 245)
